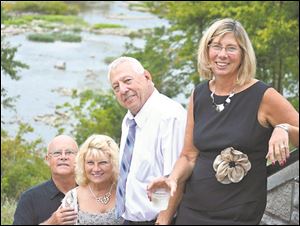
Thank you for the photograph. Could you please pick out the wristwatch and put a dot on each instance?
(283, 126)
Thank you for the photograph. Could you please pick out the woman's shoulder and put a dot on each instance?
(202, 84)
(254, 85)
(70, 199)
(201, 87)
(73, 191)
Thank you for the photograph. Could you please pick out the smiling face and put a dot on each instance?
(225, 56)
(131, 88)
(98, 167)
(61, 155)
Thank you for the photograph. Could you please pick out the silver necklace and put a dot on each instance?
(221, 107)
(102, 199)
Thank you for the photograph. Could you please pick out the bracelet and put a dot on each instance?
(283, 126)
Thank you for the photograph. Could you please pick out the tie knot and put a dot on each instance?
(131, 122)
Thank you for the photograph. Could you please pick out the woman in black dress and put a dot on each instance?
(235, 123)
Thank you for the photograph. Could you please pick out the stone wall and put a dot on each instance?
(283, 197)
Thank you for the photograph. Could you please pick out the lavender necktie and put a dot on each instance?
(124, 168)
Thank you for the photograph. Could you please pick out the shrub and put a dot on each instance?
(67, 37)
(41, 37)
(22, 163)
(8, 207)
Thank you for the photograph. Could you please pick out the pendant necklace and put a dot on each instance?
(221, 107)
(102, 199)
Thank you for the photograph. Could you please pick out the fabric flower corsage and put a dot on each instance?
(231, 166)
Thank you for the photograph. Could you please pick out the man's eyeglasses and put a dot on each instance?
(229, 49)
(59, 153)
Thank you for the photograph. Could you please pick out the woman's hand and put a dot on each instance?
(279, 146)
(165, 217)
(162, 182)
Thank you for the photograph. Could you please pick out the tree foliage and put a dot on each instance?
(273, 28)
(9, 66)
(160, 58)
(22, 164)
(8, 207)
(94, 113)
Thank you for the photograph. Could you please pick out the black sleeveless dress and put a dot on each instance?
(207, 201)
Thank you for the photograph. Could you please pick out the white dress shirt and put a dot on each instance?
(158, 142)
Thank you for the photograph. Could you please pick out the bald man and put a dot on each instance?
(41, 204)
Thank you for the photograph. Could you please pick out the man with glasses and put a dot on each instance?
(42, 204)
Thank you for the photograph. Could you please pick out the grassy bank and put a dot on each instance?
(62, 19)
(47, 7)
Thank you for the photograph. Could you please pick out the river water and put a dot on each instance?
(40, 87)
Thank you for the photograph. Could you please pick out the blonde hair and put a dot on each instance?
(219, 28)
(96, 146)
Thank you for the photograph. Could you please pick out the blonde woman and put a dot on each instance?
(96, 174)
(235, 123)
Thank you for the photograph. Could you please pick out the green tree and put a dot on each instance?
(9, 66)
(95, 113)
(22, 164)
(273, 28)
(159, 56)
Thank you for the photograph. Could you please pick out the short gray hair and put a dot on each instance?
(136, 65)
(59, 138)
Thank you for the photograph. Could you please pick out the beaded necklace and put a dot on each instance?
(221, 107)
(102, 199)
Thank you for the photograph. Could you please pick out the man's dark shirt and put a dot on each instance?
(37, 204)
